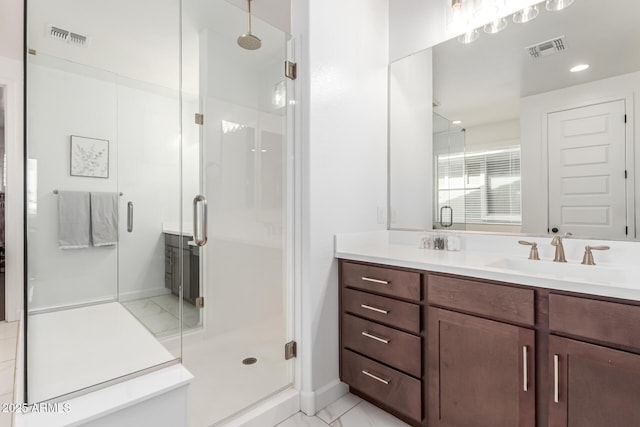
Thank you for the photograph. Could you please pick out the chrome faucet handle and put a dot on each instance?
(534, 249)
(587, 259)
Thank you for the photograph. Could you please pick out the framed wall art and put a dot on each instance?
(89, 157)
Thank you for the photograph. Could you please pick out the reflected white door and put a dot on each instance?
(587, 184)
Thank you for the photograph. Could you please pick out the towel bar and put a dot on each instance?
(56, 192)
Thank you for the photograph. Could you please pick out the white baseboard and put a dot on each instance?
(271, 412)
(145, 293)
(312, 402)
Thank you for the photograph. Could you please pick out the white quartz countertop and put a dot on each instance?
(175, 228)
(501, 258)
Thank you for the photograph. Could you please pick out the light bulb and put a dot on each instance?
(469, 37)
(555, 5)
(495, 26)
(527, 14)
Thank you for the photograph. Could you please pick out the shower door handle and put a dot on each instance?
(196, 229)
(130, 217)
(450, 222)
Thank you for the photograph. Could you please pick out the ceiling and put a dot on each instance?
(140, 39)
(483, 82)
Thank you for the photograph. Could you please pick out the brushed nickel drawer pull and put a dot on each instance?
(380, 282)
(373, 337)
(556, 397)
(377, 310)
(377, 378)
(525, 379)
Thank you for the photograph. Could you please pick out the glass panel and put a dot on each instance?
(450, 179)
(245, 172)
(103, 180)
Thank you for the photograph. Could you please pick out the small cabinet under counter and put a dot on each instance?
(177, 247)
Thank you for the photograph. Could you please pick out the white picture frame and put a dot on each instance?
(89, 157)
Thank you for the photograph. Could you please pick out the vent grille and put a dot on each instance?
(549, 47)
(67, 36)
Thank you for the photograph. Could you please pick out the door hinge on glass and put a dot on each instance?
(290, 70)
(199, 302)
(199, 119)
(31, 51)
(290, 350)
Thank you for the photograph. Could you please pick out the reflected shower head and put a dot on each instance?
(247, 40)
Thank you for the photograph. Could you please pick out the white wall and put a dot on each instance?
(533, 123)
(141, 123)
(492, 135)
(343, 96)
(411, 130)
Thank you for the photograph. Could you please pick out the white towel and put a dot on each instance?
(73, 219)
(104, 219)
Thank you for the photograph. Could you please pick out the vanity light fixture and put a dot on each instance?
(495, 26)
(469, 37)
(456, 122)
(579, 68)
(556, 5)
(527, 14)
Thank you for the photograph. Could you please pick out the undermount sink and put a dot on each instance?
(563, 271)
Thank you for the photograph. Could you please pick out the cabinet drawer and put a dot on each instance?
(506, 303)
(390, 346)
(403, 315)
(387, 281)
(393, 388)
(604, 321)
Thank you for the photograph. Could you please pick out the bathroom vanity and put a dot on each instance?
(176, 247)
(442, 349)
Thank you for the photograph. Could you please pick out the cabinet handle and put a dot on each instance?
(525, 364)
(373, 337)
(377, 378)
(377, 310)
(380, 282)
(556, 398)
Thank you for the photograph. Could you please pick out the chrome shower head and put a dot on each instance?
(247, 40)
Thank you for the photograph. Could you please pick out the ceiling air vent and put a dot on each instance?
(547, 48)
(68, 36)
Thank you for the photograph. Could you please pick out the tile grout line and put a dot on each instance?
(350, 409)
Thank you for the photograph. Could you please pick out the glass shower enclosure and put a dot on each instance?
(160, 163)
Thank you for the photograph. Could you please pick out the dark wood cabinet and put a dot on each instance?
(381, 342)
(441, 350)
(177, 250)
(592, 386)
(481, 372)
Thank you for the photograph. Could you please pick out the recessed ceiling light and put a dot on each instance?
(578, 68)
(456, 122)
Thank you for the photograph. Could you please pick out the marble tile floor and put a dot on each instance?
(348, 411)
(8, 347)
(160, 314)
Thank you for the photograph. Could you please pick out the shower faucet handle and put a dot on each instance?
(534, 249)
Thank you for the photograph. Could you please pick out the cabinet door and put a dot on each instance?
(481, 372)
(592, 386)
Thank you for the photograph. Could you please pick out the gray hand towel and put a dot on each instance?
(104, 218)
(73, 219)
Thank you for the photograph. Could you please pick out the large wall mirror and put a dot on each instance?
(500, 135)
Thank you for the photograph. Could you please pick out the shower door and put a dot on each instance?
(244, 144)
(450, 178)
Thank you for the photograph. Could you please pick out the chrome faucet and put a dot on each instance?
(557, 242)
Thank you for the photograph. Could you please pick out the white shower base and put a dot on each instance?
(69, 350)
(222, 385)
